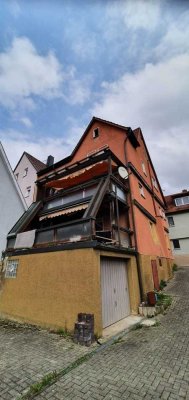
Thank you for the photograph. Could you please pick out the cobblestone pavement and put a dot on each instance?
(148, 363)
(27, 354)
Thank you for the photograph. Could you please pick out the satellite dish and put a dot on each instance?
(123, 172)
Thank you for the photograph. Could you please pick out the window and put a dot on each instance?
(144, 168)
(176, 243)
(25, 172)
(170, 221)
(28, 190)
(160, 262)
(181, 201)
(11, 269)
(141, 190)
(154, 182)
(95, 133)
(16, 176)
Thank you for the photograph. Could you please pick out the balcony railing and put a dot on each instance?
(71, 232)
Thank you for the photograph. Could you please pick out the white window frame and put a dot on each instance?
(169, 223)
(141, 190)
(11, 268)
(28, 191)
(182, 201)
(144, 168)
(95, 133)
(25, 172)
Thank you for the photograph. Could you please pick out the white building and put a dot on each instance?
(26, 175)
(12, 203)
(178, 219)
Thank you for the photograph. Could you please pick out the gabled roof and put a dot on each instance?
(131, 135)
(37, 164)
(10, 172)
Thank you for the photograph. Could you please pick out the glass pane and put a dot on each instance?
(74, 232)
(178, 201)
(186, 200)
(11, 243)
(69, 198)
(44, 236)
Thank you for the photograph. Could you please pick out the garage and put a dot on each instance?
(115, 292)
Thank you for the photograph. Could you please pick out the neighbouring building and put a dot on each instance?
(96, 239)
(12, 204)
(178, 219)
(26, 175)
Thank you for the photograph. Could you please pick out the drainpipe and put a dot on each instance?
(134, 225)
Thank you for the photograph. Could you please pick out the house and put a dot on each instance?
(178, 219)
(26, 175)
(12, 204)
(96, 239)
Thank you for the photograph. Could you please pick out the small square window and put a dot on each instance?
(176, 243)
(141, 190)
(11, 269)
(154, 182)
(144, 168)
(95, 133)
(28, 190)
(25, 172)
(170, 221)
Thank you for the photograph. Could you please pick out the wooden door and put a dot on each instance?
(155, 274)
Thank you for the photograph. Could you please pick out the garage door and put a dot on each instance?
(115, 293)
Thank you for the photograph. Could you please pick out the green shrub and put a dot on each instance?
(162, 284)
(175, 267)
(163, 299)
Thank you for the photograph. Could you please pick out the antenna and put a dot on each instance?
(123, 172)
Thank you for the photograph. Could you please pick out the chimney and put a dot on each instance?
(184, 191)
(50, 161)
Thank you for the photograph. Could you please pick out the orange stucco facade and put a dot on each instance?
(52, 287)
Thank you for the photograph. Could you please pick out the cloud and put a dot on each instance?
(156, 99)
(24, 72)
(14, 8)
(176, 39)
(135, 14)
(16, 142)
(26, 121)
(26, 75)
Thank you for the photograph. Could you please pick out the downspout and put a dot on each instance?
(134, 226)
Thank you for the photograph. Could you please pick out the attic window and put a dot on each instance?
(25, 172)
(95, 133)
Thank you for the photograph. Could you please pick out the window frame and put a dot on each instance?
(174, 244)
(170, 217)
(14, 264)
(25, 172)
(141, 190)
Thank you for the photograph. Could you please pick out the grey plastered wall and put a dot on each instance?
(11, 205)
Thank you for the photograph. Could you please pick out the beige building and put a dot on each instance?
(25, 173)
(178, 219)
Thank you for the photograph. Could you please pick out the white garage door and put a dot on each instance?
(115, 293)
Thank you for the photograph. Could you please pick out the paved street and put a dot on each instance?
(27, 354)
(148, 363)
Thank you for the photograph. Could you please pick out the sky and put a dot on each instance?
(126, 61)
